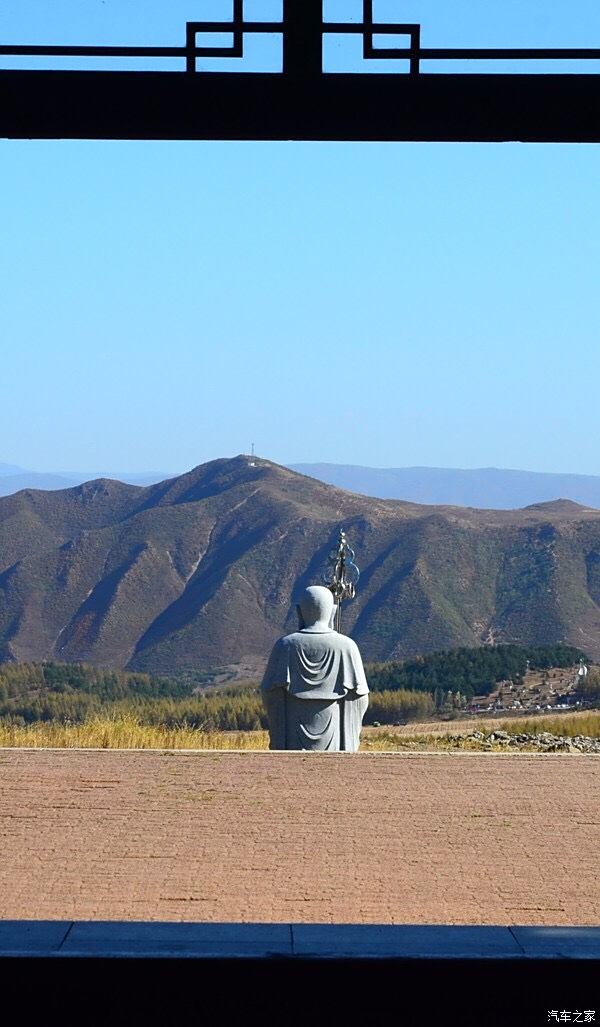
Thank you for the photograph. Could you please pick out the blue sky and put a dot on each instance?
(162, 304)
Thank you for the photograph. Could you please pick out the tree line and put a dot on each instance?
(401, 691)
(469, 671)
(21, 679)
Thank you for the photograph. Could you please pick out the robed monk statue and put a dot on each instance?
(315, 690)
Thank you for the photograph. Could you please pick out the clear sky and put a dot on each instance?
(162, 304)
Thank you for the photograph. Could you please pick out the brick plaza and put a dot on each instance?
(291, 837)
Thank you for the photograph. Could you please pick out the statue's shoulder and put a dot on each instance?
(348, 643)
(293, 639)
(350, 649)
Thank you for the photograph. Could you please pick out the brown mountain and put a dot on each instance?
(200, 570)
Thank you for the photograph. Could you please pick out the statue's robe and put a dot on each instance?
(315, 692)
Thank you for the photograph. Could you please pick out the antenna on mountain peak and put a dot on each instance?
(252, 462)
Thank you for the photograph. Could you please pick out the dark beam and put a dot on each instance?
(303, 39)
(166, 105)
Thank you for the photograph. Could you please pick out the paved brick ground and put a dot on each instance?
(398, 838)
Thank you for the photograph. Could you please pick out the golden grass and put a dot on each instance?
(569, 724)
(124, 732)
(127, 733)
(385, 740)
(513, 724)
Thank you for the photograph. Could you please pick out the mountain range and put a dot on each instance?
(202, 570)
(485, 488)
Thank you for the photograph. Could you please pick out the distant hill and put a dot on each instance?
(7, 470)
(201, 571)
(11, 483)
(128, 477)
(488, 488)
(14, 479)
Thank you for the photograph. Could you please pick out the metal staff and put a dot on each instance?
(341, 576)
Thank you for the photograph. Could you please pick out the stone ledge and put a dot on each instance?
(135, 940)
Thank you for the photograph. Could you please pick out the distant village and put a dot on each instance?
(539, 691)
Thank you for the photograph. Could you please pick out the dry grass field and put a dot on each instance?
(561, 723)
(433, 736)
(125, 732)
(299, 837)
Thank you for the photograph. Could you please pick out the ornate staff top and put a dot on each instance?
(342, 575)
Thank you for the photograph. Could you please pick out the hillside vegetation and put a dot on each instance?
(470, 671)
(73, 694)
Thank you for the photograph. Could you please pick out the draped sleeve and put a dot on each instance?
(273, 688)
(276, 674)
(354, 671)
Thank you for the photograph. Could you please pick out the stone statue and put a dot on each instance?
(315, 690)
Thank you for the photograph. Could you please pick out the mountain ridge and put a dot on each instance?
(481, 488)
(202, 570)
(491, 488)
